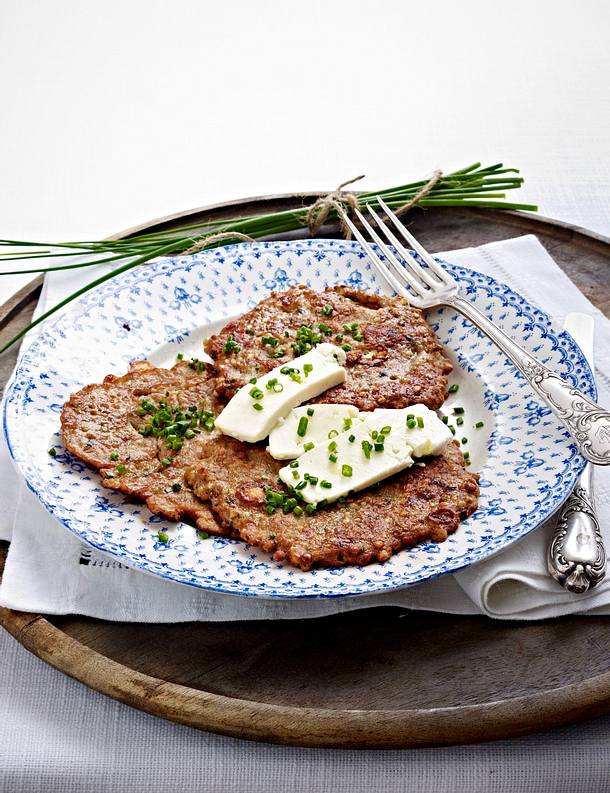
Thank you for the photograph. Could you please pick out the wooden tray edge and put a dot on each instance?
(348, 729)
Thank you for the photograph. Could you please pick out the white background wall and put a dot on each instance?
(116, 112)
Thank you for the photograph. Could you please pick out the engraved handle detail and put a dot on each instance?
(587, 422)
(576, 556)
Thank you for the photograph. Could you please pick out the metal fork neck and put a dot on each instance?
(587, 422)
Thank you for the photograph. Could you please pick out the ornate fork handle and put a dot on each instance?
(587, 422)
(576, 556)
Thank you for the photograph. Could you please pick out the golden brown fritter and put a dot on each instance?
(394, 358)
(422, 503)
(101, 423)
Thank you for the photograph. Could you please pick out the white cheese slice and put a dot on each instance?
(353, 468)
(285, 443)
(250, 419)
(432, 438)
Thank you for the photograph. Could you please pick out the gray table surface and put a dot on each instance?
(117, 113)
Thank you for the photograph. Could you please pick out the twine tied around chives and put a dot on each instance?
(222, 236)
(345, 203)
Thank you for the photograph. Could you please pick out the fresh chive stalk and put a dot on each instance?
(472, 186)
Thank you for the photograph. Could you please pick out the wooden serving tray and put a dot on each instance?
(375, 678)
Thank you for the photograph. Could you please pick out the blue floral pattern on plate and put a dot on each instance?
(527, 463)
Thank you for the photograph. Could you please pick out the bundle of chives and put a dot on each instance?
(472, 186)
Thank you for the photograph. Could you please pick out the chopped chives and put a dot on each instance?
(333, 458)
(453, 389)
(176, 487)
(309, 508)
(302, 428)
(445, 419)
(53, 452)
(385, 430)
(202, 535)
(257, 406)
(332, 446)
(121, 469)
(367, 448)
(114, 456)
(307, 446)
(270, 340)
(420, 422)
(346, 470)
(252, 380)
(313, 480)
(326, 484)
(479, 424)
(333, 433)
(298, 511)
(256, 393)
(374, 434)
(307, 368)
(464, 440)
(197, 365)
(379, 446)
(327, 310)
(294, 464)
(459, 421)
(166, 461)
(411, 424)
(310, 411)
(347, 424)
(301, 485)
(180, 356)
(458, 411)
(352, 438)
(231, 346)
(163, 537)
(346, 347)
(295, 474)
(452, 429)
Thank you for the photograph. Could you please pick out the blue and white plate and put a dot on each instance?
(527, 463)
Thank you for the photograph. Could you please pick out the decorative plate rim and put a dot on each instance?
(527, 522)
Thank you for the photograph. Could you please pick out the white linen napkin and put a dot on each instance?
(49, 570)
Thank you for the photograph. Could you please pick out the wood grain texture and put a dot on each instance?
(374, 678)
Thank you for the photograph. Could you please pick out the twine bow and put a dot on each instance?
(345, 204)
(222, 236)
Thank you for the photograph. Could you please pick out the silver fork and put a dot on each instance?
(426, 287)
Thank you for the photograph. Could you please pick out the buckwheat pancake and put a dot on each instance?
(425, 502)
(393, 356)
(102, 425)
